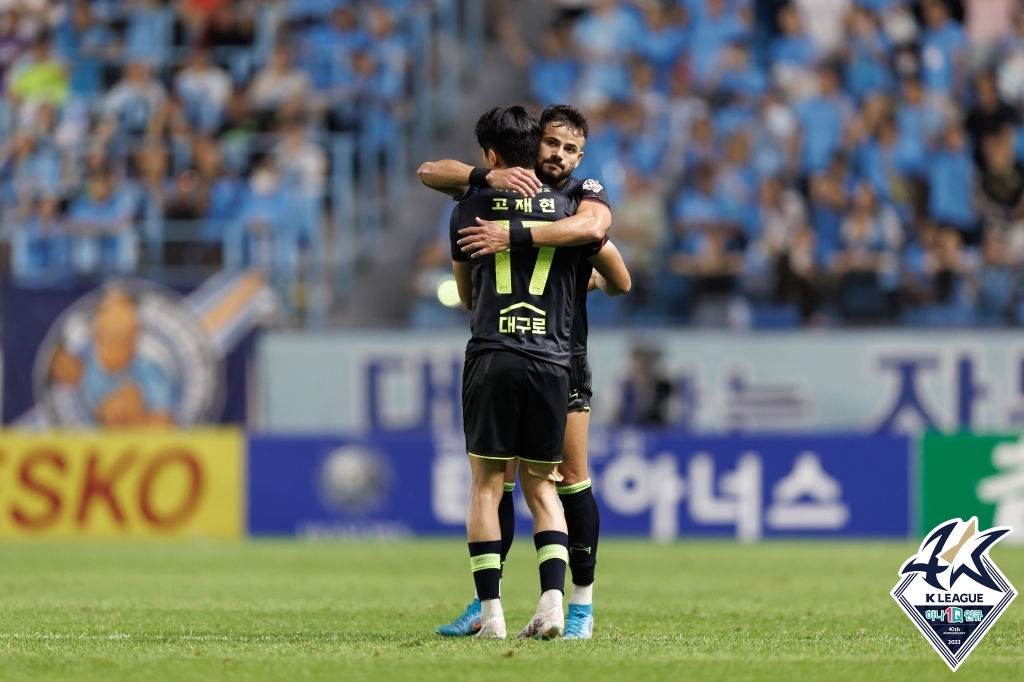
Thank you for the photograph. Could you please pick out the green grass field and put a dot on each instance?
(347, 611)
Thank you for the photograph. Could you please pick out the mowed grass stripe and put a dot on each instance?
(290, 610)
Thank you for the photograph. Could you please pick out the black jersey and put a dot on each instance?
(579, 191)
(524, 298)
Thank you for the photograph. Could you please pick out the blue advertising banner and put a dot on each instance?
(130, 352)
(659, 484)
(342, 487)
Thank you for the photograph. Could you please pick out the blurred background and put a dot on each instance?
(209, 215)
(771, 165)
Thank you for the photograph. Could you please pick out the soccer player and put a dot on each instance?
(564, 136)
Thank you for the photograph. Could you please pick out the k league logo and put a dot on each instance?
(952, 590)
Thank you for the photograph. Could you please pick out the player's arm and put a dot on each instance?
(453, 178)
(464, 280)
(612, 276)
(589, 224)
(461, 266)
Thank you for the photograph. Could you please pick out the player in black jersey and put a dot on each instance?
(516, 371)
(563, 138)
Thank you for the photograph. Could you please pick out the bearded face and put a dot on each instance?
(561, 150)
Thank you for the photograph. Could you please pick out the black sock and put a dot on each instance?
(584, 523)
(507, 522)
(552, 555)
(485, 562)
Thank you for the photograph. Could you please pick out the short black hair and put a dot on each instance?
(563, 115)
(513, 133)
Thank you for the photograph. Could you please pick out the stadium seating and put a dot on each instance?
(175, 139)
(770, 164)
(852, 162)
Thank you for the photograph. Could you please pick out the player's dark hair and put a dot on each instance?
(513, 133)
(565, 116)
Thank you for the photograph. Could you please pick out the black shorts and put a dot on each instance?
(514, 406)
(581, 385)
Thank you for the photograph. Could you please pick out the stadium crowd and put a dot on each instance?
(811, 162)
(187, 133)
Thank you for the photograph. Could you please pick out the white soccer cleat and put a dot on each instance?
(492, 629)
(545, 625)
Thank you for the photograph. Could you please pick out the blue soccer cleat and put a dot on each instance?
(580, 623)
(465, 625)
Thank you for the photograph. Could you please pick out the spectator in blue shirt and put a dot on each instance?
(793, 47)
(662, 39)
(867, 55)
(225, 191)
(737, 75)
(148, 33)
(99, 222)
(943, 50)
(698, 211)
(705, 244)
(30, 168)
(84, 44)
(553, 74)
(604, 36)
(918, 125)
(152, 191)
(951, 182)
(829, 198)
(204, 90)
(330, 46)
(774, 136)
(735, 183)
(996, 279)
(882, 165)
(134, 102)
(870, 239)
(713, 30)
(40, 251)
(255, 239)
(390, 52)
(702, 147)
(823, 120)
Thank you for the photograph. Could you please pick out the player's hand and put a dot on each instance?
(514, 179)
(483, 239)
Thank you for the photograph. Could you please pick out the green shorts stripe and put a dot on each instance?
(503, 458)
(484, 561)
(539, 461)
(552, 552)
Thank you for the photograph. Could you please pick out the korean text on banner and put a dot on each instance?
(964, 475)
(658, 483)
(131, 483)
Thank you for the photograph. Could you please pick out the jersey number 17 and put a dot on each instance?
(541, 269)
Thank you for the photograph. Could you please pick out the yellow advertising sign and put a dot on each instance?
(130, 483)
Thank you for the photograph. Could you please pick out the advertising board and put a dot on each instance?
(132, 483)
(702, 382)
(659, 484)
(965, 475)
